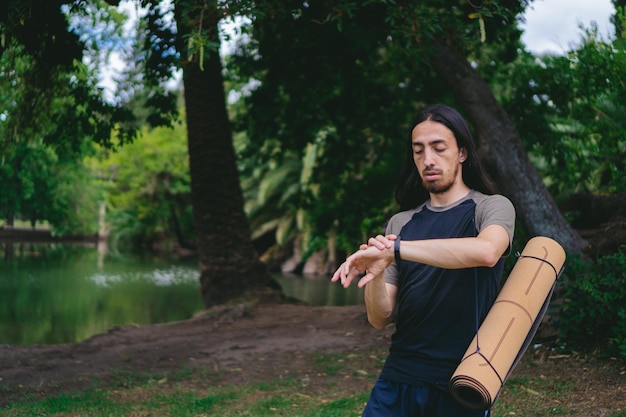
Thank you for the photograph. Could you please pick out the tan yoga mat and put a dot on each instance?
(509, 326)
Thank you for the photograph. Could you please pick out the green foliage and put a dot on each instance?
(466, 24)
(72, 205)
(271, 192)
(39, 186)
(593, 314)
(314, 117)
(147, 184)
(48, 94)
(346, 112)
(51, 109)
(50, 58)
(32, 25)
(570, 113)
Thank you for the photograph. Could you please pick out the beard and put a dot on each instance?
(441, 186)
(437, 187)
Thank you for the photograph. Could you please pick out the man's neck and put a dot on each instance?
(453, 195)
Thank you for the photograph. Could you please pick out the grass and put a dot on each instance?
(328, 385)
(280, 398)
(42, 225)
(539, 397)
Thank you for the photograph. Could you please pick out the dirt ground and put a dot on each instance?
(221, 339)
(260, 341)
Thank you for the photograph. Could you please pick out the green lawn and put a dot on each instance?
(334, 385)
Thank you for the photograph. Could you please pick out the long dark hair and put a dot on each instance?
(409, 190)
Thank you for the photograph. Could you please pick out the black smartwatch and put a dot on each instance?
(396, 249)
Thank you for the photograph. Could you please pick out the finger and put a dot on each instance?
(366, 279)
(376, 242)
(385, 243)
(346, 279)
(363, 246)
(354, 272)
(344, 271)
(388, 242)
(339, 273)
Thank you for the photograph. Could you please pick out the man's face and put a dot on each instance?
(437, 156)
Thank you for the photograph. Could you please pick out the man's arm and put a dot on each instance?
(483, 250)
(380, 297)
(380, 301)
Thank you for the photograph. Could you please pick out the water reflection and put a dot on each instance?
(58, 293)
(319, 291)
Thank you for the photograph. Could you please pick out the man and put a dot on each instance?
(437, 271)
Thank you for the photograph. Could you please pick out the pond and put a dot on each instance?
(60, 293)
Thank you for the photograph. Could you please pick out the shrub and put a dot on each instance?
(593, 314)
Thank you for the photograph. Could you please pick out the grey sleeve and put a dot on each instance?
(496, 209)
(395, 226)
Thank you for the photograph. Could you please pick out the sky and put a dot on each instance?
(552, 25)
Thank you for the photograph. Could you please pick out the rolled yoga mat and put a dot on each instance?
(509, 326)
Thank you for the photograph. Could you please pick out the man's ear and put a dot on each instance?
(462, 154)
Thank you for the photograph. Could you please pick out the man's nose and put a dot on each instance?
(428, 157)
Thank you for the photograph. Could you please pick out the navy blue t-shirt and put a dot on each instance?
(439, 310)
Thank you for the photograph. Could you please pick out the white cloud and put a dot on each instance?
(553, 25)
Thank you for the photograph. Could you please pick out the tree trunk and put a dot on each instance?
(229, 265)
(502, 152)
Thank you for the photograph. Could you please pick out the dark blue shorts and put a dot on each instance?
(391, 399)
